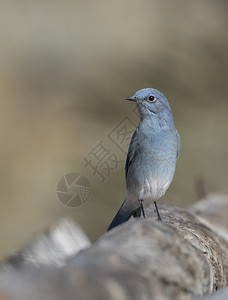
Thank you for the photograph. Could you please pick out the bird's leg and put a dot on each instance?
(159, 217)
(141, 206)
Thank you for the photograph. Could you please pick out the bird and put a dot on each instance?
(152, 155)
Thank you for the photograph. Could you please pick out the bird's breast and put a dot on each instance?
(153, 167)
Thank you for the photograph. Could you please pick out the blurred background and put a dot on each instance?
(66, 67)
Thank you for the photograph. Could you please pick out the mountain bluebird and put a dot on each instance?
(152, 155)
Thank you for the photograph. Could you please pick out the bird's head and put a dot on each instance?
(152, 104)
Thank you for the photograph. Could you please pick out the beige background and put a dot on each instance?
(66, 67)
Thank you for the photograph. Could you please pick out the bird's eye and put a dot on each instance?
(151, 98)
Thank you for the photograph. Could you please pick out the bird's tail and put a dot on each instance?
(123, 215)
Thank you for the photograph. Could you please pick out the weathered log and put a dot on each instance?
(53, 247)
(178, 258)
(213, 211)
(220, 295)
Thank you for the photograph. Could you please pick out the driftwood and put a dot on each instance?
(182, 257)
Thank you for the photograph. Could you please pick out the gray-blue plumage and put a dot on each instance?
(152, 154)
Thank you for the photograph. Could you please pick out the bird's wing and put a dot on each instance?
(131, 152)
(178, 145)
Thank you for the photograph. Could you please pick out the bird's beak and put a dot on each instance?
(131, 98)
